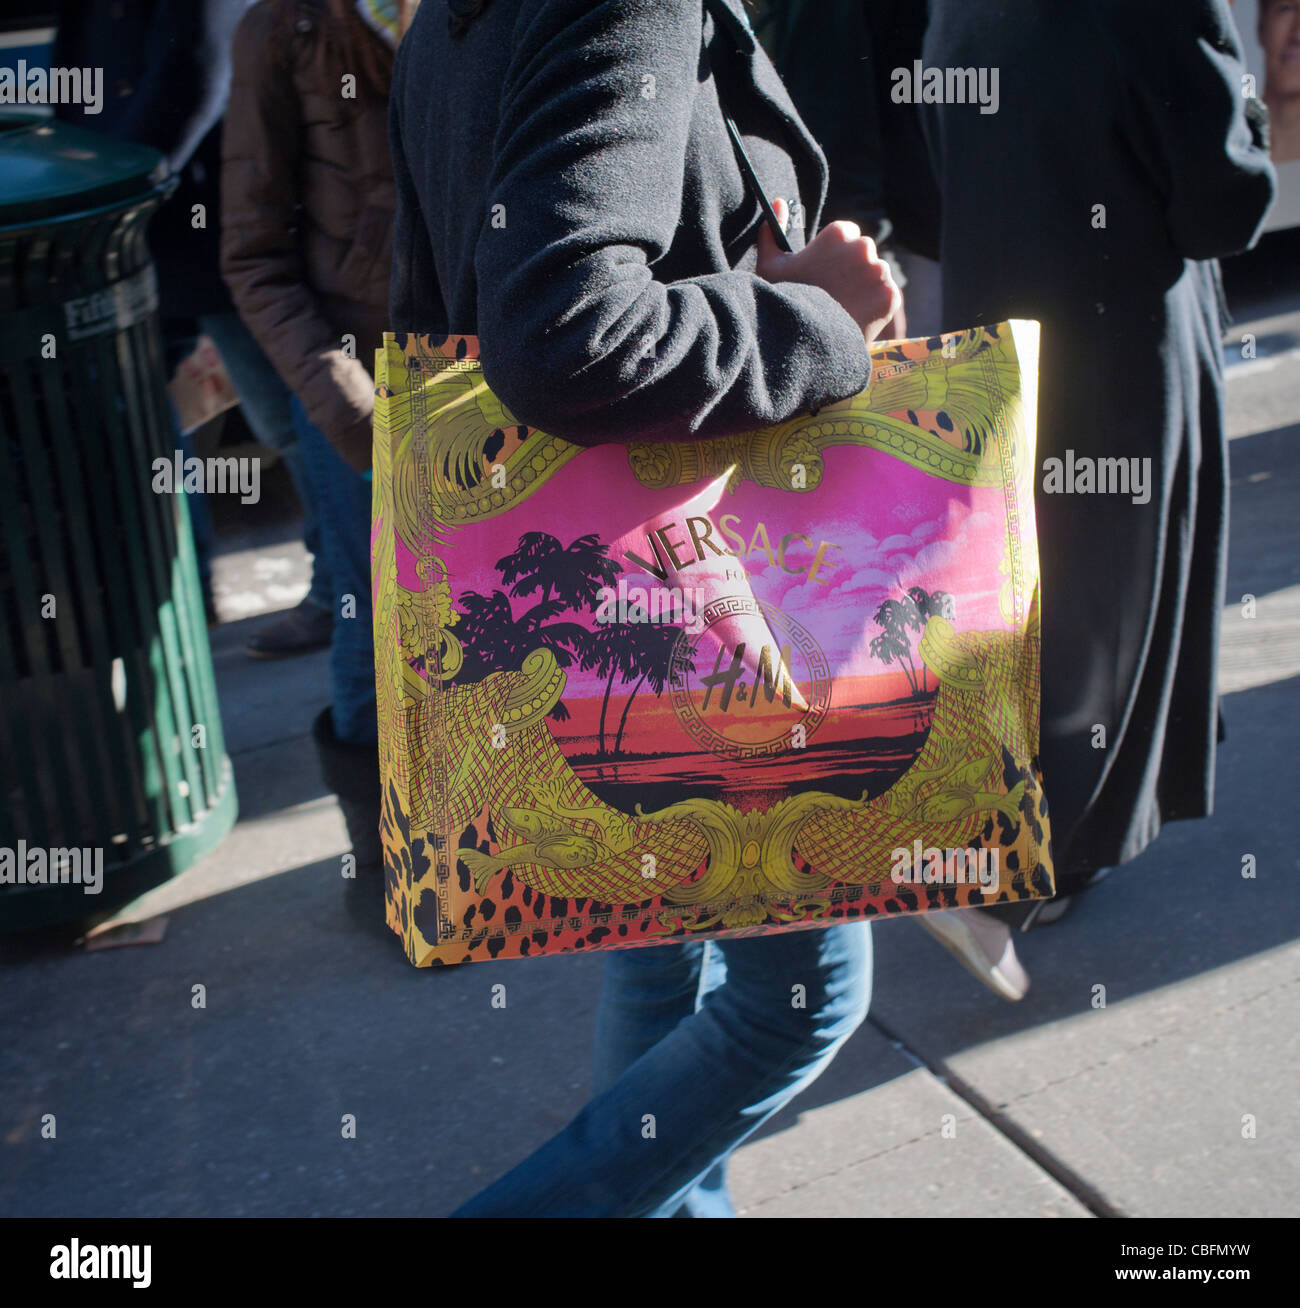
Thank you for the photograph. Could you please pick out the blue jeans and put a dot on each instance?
(697, 1045)
(266, 404)
(343, 503)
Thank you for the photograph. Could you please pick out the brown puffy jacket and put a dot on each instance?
(307, 215)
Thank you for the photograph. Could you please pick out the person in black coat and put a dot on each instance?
(568, 192)
(836, 58)
(1121, 161)
(613, 186)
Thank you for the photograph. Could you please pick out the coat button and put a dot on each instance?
(303, 24)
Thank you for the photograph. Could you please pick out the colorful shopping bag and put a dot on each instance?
(640, 692)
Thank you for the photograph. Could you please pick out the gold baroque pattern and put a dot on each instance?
(423, 386)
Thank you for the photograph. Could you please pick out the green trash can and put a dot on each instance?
(111, 749)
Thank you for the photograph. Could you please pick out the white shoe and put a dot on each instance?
(983, 945)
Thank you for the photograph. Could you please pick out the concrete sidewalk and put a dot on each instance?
(948, 1102)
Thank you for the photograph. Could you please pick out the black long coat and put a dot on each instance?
(1138, 108)
(836, 57)
(566, 189)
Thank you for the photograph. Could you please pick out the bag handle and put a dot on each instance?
(751, 178)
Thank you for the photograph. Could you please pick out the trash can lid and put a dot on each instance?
(49, 168)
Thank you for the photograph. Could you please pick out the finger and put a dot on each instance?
(842, 230)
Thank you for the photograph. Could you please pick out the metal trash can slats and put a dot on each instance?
(99, 703)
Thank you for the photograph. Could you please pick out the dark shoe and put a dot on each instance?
(352, 773)
(300, 631)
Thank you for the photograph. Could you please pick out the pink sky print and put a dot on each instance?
(908, 530)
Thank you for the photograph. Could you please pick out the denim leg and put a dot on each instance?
(641, 1145)
(836, 1005)
(710, 1196)
(343, 502)
(320, 590)
(644, 994)
(267, 406)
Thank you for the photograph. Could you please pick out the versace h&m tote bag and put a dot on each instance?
(642, 692)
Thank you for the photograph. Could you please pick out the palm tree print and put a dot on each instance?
(649, 652)
(606, 655)
(572, 574)
(897, 619)
(566, 578)
(922, 605)
(893, 643)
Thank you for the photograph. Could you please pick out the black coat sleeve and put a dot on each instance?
(585, 194)
(1198, 134)
(415, 298)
